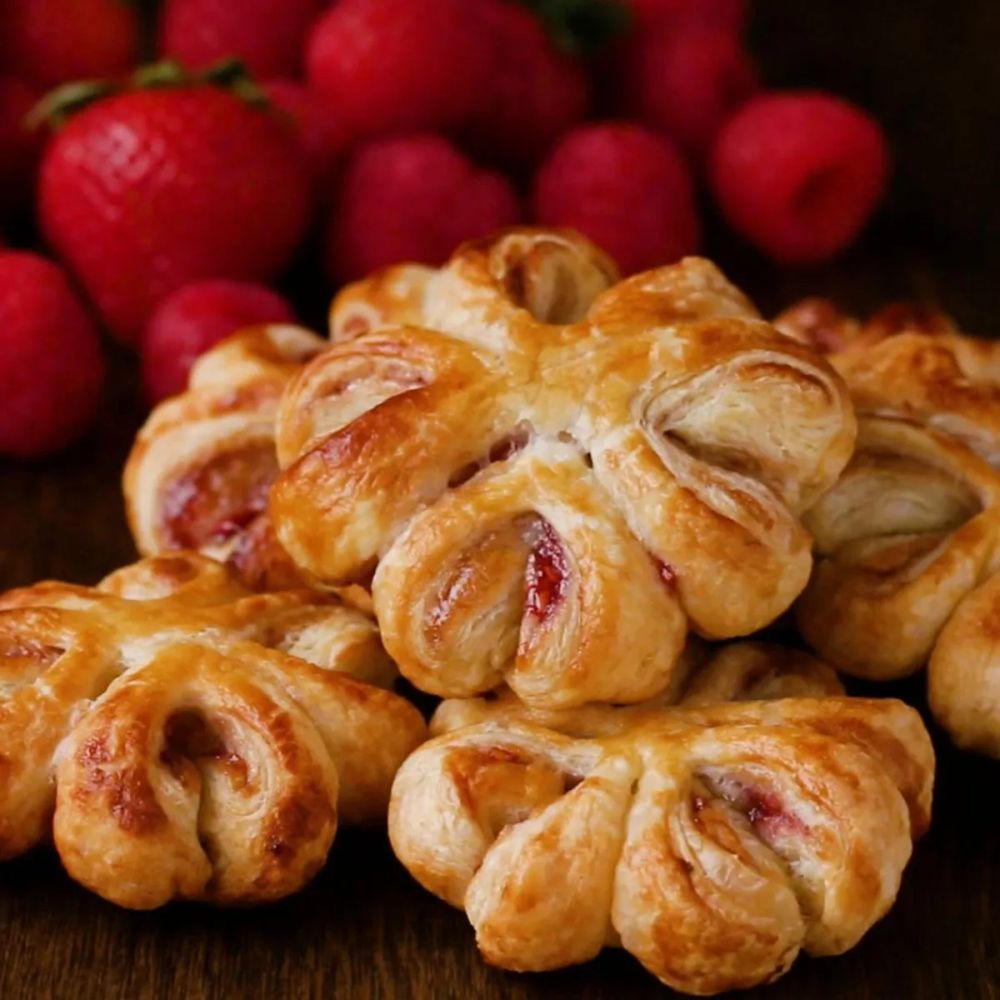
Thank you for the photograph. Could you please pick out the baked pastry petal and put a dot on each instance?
(557, 475)
(712, 843)
(910, 528)
(963, 674)
(910, 362)
(185, 738)
(200, 469)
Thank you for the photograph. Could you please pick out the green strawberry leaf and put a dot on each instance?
(582, 27)
(59, 104)
(229, 74)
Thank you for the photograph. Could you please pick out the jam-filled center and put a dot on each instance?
(547, 573)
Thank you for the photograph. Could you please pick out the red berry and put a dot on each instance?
(321, 131)
(147, 191)
(390, 65)
(685, 82)
(19, 148)
(412, 198)
(52, 41)
(51, 366)
(534, 93)
(192, 319)
(266, 35)
(726, 15)
(799, 173)
(623, 186)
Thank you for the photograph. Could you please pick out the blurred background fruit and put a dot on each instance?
(365, 132)
(51, 365)
(194, 318)
(411, 198)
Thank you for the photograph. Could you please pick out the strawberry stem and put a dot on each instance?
(581, 27)
(229, 74)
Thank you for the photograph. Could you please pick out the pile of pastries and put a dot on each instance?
(552, 499)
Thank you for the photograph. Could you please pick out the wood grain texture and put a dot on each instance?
(363, 928)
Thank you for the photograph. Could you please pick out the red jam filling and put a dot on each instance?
(547, 575)
(216, 501)
(667, 572)
(768, 816)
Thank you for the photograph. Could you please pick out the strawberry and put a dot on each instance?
(535, 93)
(51, 41)
(145, 191)
(321, 132)
(51, 365)
(394, 65)
(265, 35)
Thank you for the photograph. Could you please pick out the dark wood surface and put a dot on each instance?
(363, 928)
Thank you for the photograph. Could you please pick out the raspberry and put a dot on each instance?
(799, 173)
(266, 35)
(192, 319)
(412, 198)
(391, 65)
(534, 93)
(20, 149)
(624, 187)
(320, 129)
(685, 83)
(51, 365)
(726, 15)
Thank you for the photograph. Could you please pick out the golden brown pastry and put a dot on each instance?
(200, 469)
(907, 541)
(556, 477)
(713, 844)
(170, 730)
(393, 296)
(739, 671)
(910, 362)
(910, 528)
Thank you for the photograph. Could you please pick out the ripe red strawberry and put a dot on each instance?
(148, 190)
(412, 198)
(52, 41)
(685, 82)
(392, 65)
(192, 319)
(19, 149)
(267, 36)
(51, 366)
(623, 186)
(321, 131)
(534, 93)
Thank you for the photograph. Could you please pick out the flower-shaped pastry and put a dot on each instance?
(200, 469)
(712, 843)
(167, 730)
(908, 541)
(555, 480)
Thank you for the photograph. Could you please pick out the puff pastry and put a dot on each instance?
(169, 730)
(713, 843)
(907, 540)
(910, 362)
(200, 469)
(739, 671)
(556, 474)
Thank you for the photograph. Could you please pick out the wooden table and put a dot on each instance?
(363, 928)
